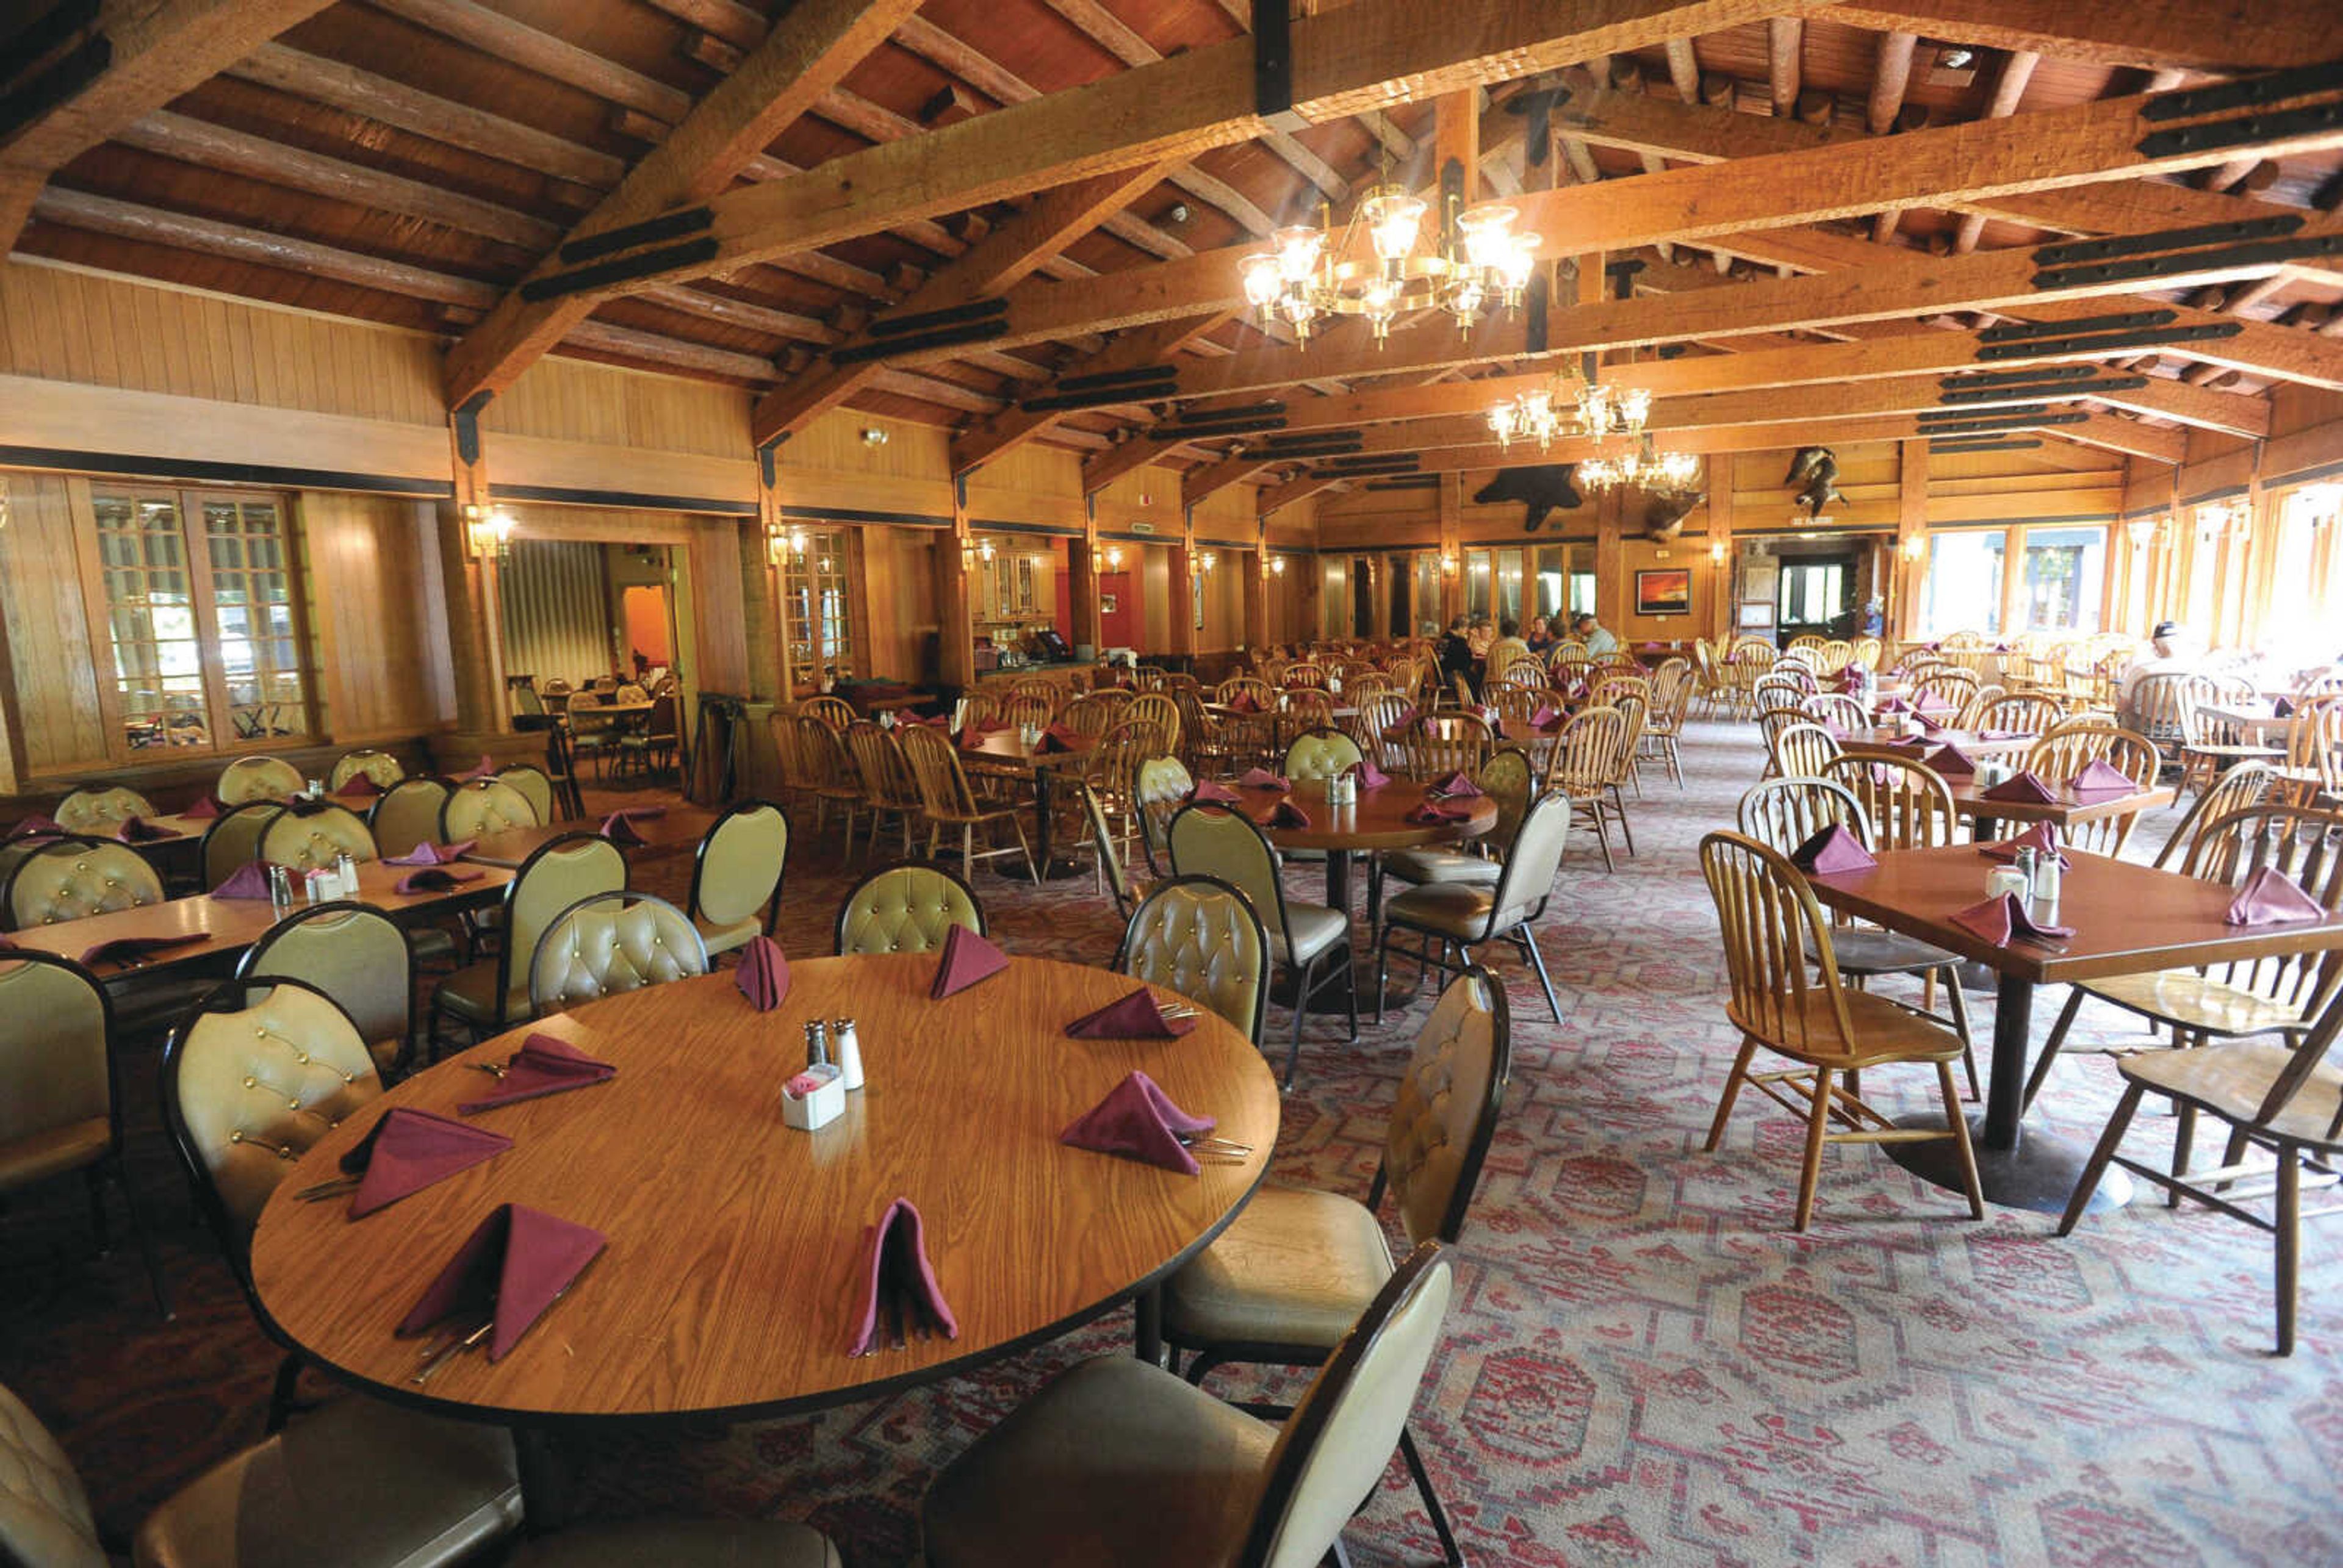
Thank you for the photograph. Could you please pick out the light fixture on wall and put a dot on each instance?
(1115, 558)
(1448, 563)
(1915, 547)
(782, 545)
(2217, 521)
(1202, 562)
(1719, 552)
(2316, 505)
(1277, 566)
(872, 436)
(487, 531)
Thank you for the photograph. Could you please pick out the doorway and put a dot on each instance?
(649, 617)
(1402, 588)
(1362, 596)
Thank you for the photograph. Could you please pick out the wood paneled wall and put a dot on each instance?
(379, 615)
(55, 700)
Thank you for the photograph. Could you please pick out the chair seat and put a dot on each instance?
(1296, 1267)
(2232, 1081)
(682, 1543)
(1315, 928)
(53, 1152)
(471, 993)
(1458, 911)
(358, 1483)
(2195, 1001)
(722, 936)
(1115, 1462)
(1883, 1032)
(1424, 866)
(1865, 952)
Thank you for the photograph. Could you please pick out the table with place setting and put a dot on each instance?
(1006, 751)
(648, 830)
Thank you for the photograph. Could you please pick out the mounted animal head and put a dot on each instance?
(1665, 511)
(1815, 470)
(1540, 488)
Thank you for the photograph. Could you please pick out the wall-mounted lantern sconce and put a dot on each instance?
(2145, 531)
(782, 545)
(1277, 566)
(1915, 547)
(1448, 563)
(971, 551)
(487, 531)
(1719, 553)
(1115, 558)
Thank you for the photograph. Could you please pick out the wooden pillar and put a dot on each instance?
(772, 534)
(1256, 591)
(1722, 478)
(475, 616)
(1452, 547)
(1183, 586)
(1911, 536)
(1611, 597)
(955, 609)
(1082, 580)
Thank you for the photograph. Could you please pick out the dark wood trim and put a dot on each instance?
(191, 470)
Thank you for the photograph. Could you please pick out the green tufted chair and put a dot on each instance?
(607, 943)
(312, 838)
(479, 807)
(1321, 754)
(1506, 778)
(1160, 786)
(407, 814)
(1455, 918)
(233, 839)
(101, 809)
(45, 1515)
(493, 994)
(906, 909)
(379, 765)
(736, 877)
(1282, 1285)
(354, 954)
(534, 785)
(258, 779)
(71, 879)
(1198, 936)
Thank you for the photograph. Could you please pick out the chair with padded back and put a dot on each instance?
(311, 835)
(1508, 778)
(1160, 786)
(1461, 916)
(1788, 997)
(1311, 940)
(71, 878)
(945, 799)
(492, 994)
(233, 841)
(100, 810)
(60, 1097)
(536, 787)
(606, 944)
(479, 808)
(736, 875)
(906, 908)
(407, 814)
(1321, 754)
(378, 766)
(356, 955)
(1283, 1285)
(1201, 937)
(1118, 1462)
(258, 779)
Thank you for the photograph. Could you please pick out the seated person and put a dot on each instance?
(1508, 648)
(2168, 654)
(1480, 634)
(1540, 636)
(1597, 638)
(1456, 657)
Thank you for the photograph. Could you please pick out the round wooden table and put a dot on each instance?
(730, 1281)
(1376, 821)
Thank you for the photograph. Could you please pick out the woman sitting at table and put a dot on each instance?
(1456, 655)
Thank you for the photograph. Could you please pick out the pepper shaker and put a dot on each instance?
(817, 1052)
(849, 1052)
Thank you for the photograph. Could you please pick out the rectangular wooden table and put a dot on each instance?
(1986, 816)
(1005, 752)
(2129, 919)
(682, 827)
(1884, 741)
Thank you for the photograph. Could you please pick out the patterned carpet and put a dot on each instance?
(1643, 1366)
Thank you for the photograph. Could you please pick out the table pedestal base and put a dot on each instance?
(2040, 1173)
(1330, 1004)
(1016, 868)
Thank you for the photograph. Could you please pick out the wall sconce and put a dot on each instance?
(487, 531)
(2144, 531)
(1277, 566)
(2319, 503)
(1718, 553)
(1115, 558)
(1915, 547)
(872, 436)
(2232, 520)
(973, 550)
(782, 544)
(1448, 563)
(1200, 564)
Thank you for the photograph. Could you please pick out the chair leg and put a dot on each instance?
(94, 1178)
(2050, 1049)
(1959, 1125)
(1619, 805)
(1537, 961)
(2097, 1167)
(145, 1237)
(1961, 1026)
(1450, 1553)
(1301, 1007)
(2289, 1222)
(1351, 989)
(2184, 1143)
(280, 1393)
(1817, 1129)
(1382, 970)
(1732, 1092)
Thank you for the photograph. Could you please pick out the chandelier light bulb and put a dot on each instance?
(1393, 218)
(1263, 281)
(1488, 235)
(1299, 247)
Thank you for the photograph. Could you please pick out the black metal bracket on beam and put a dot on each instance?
(2013, 331)
(1405, 482)
(910, 323)
(2066, 252)
(2002, 419)
(1537, 313)
(465, 418)
(2267, 253)
(2068, 388)
(2242, 132)
(919, 343)
(1975, 380)
(1272, 57)
(1172, 433)
(1976, 445)
(610, 241)
(2148, 338)
(768, 461)
(623, 269)
(2248, 93)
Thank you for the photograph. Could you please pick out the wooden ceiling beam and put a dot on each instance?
(2152, 34)
(2130, 437)
(811, 50)
(1152, 345)
(1198, 484)
(1279, 497)
(1683, 69)
(1127, 456)
(155, 51)
(2008, 89)
(547, 54)
(1785, 38)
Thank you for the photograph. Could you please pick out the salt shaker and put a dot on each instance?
(346, 872)
(849, 1052)
(2047, 880)
(817, 1052)
(280, 891)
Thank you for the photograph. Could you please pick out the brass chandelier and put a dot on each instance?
(1309, 273)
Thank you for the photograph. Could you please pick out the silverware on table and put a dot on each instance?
(494, 1070)
(324, 1190)
(455, 1344)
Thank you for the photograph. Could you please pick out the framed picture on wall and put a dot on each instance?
(1664, 591)
(1758, 615)
(1110, 604)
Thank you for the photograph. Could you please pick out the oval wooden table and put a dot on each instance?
(1375, 822)
(729, 1283)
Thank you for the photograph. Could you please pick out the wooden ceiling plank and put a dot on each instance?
(700, 359)
(2008, 88)
(737, 25)
(516, 43)
(2265, 34)
(736, 313)
(1152, 345)
(1126, 457)
(813, 48)
(1198, 484)
(159, 49)
(1785, 38)
(2130, 437)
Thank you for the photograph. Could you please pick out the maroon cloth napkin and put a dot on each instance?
(2042, 835)
(636, 814)
(1137, 1121)
(1134, 1017)
(1999, 919)
(1058, 738)
(138, 831)
(1850, 680)
(2269, 897)
(1369, 776)
(1891, 705)
(2026, 789)
(435, 880)
(359, 787)
(618, 831)
(1244, 702)
(249, 880)
(484, 769)
(34, 824)
(1212, 792)
(2098, 781)
(1951, 761)
(1832, 850)
(203, 810)
(1405, 720)
(1455, 786)
(2282, 708)
(1548, 718)
(430, 854)
(513, 1267)
(763, 976)
(1262, 778)
(1431, 813)
(967, 959)
(1286, 814)
(896, 1274)
(545, 1064)
(408, 1151)
(122, 950)
(1928, 725)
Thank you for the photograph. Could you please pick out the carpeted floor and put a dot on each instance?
(1643, 1366)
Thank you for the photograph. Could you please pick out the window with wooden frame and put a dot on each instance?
(816, 595)
(202, 638)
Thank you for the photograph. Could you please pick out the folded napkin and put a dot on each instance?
(2282, 708)
(1213, 792)
(1405, 720)
(122, 950)
(1928, 725)
(1832, 850)
(430, 854)
(1431, 813)
(619, 830)
(636, 814)
(1137, 1119)
(359, 787)
(2024, 788)
(2269, 897)
(1951, 761)
(1891, 705)
(515, 1266)
(1457, 786)
(1286, 814)
(34, 824)
(408, 1151)
(203, 810)
(435, 880)
(967, 959)
(545, 1064)
(1262, 778)
(1835, 731)
(1369, 776)
(2042, 837)
(1547, 717)
(249, 880)
(1058, 738)
(2098, 781)
(138, 831)
(484, 768)
(896, 1276)
(1850, 680)
(933, 720)
(1999, 919)
(763, 976)
(1134, 1017)
(1244, 702)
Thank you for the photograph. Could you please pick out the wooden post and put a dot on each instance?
(1911, 525)
(1722, 478)
(1083, 581)
(1611, 597)
(475, 618)
(955, 613)
(1256, 591)
(771, 529)
(1183, 587)
(1452, 547)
